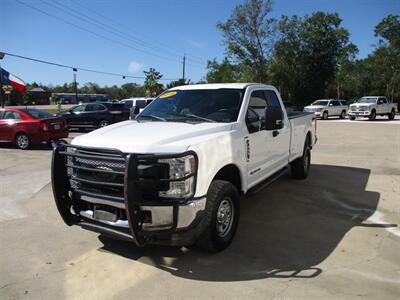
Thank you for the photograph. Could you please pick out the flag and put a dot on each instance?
(10, 79)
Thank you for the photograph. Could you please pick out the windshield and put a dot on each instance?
(321, 102)
(37, 114)
(220, 105)
(367, 100)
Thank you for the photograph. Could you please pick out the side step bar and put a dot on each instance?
(262, 185)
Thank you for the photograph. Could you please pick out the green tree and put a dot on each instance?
(151, 85)
(308, 55)
(178, 82)
(249, 36)
(222, 72)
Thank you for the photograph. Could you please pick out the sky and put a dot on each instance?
(127, 37)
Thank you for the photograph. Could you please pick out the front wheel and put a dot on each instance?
(221, 216)
(325, 115)
(103, 123)
(352, 118)
(22, 141)
(343, 114)
(392, 115)
(372, 116)
(301, 166)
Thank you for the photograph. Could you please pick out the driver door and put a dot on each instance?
(266, 151)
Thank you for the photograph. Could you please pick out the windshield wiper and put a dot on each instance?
(152, 117)
(193, 117)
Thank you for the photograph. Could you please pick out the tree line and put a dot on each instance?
(306, 58)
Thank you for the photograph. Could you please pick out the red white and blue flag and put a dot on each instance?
(10, 79)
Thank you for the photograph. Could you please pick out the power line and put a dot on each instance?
(74, 68)
(94, 33)
(101, 25)
(165, 46)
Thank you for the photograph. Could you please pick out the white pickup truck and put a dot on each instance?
(371, 106)
(326, 108)
(174, 176)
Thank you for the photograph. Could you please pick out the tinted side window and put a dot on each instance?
(12, 115)
(140, 103)
(335, 103)
(272, 99)
(1, 114)
(255, 110)
(343, 102)
(382, 100)
(79, 108)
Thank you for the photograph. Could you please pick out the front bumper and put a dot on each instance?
(130, 218)
(361, 113)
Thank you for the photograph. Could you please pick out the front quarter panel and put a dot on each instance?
(215, 153)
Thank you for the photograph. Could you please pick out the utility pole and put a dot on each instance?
(1, 81)
(75, 86)
(184, 63)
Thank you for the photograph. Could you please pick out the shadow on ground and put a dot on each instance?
(285, 230)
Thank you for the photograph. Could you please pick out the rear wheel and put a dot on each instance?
(301, 166)
(103, 123)
(372, 116)
(22, 141)
(343, 114)
(325, 115)
(392, 115)
(221, 216)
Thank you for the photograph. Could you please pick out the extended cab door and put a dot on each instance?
(382, 106)
(267, 151)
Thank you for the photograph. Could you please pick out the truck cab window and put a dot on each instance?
(256, 111)
(272, 98)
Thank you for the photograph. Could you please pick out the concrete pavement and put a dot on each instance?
(334, 235)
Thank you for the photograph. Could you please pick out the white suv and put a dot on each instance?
(326, 108)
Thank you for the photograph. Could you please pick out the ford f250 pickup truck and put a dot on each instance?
(371, 106)
(175, 174)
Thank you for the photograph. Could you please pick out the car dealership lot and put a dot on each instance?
(334, 235)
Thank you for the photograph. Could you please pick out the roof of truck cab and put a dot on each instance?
(215, 86)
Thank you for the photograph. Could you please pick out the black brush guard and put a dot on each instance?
(132, 195)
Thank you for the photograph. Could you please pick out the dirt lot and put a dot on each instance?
(334, 235)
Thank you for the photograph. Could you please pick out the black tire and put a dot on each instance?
(343, 114)
(214, 238)
(392, 115)
(22, 141)
(372, 116)
(325, 115)
(352, 118)
(103, 123)
(301, 166)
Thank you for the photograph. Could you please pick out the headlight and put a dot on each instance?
(319, 109)
(181, 174)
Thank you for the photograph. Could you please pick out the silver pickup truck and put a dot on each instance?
(371, 106)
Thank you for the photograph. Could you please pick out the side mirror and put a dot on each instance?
(134, 112)
(273, 118)
(330, 104)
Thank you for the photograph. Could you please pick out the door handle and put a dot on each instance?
(275, 133)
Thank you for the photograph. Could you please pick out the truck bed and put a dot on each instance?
(297, 114)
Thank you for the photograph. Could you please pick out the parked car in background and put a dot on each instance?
(136, 105)
(174, 175)
(28, 126)
(371, 106)
(95, 115)
(326, 108)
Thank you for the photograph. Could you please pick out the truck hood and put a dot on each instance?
(314, 106)
(361, 105)
(150, 137)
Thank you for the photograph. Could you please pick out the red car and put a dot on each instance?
(28, 126)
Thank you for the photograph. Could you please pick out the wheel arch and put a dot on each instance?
(231, 173)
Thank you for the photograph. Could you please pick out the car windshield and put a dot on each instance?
(37, 114)
(321, 102)
(367, 100)
(219, 105)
